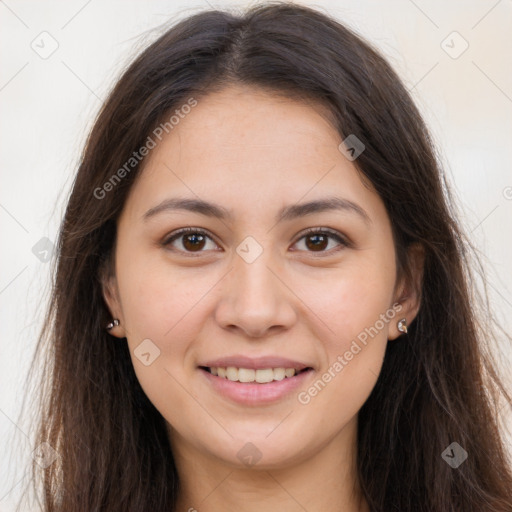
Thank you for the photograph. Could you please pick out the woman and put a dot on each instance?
(262, 299)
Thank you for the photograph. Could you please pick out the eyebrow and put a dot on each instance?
(286, 213)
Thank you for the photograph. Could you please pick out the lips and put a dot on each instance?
(255, 380)
(257, 387)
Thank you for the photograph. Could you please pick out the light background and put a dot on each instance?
(49, 104)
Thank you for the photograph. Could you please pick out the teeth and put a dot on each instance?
(289, 372)
(279, 373)
(246, 375)
(261, 376)
(232, 373)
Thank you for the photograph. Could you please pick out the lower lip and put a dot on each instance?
(253, 393)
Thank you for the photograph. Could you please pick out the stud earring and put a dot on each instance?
(114, 323)
(402, 326)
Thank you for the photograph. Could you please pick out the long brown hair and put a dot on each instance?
(438, 384)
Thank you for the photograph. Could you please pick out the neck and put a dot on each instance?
(315, 483)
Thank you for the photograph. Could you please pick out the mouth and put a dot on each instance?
(255, 387)
(251, 375)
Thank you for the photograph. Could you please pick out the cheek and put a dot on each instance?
(352, 300)
(159, 300)
(356, 308)
(167, 308)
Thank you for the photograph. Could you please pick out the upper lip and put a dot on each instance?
(255, 363)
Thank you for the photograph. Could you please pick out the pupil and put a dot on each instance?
(320, 241)
(197, 238)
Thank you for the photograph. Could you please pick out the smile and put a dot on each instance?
(255, 387)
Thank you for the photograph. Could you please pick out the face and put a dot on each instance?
(248, 286)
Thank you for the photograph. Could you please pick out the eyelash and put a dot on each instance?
(310, 231)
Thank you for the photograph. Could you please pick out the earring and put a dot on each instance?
(402, 326)
(114, 323)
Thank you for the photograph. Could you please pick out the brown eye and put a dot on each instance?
(317, 240)
(188, 240)
(193, 242)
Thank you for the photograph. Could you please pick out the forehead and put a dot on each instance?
(243, 145)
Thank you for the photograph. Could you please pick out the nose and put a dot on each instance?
(254, 299)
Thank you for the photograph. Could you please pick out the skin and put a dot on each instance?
(255, 152)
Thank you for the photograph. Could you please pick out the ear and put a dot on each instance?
(110, 292)
(408, 291)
